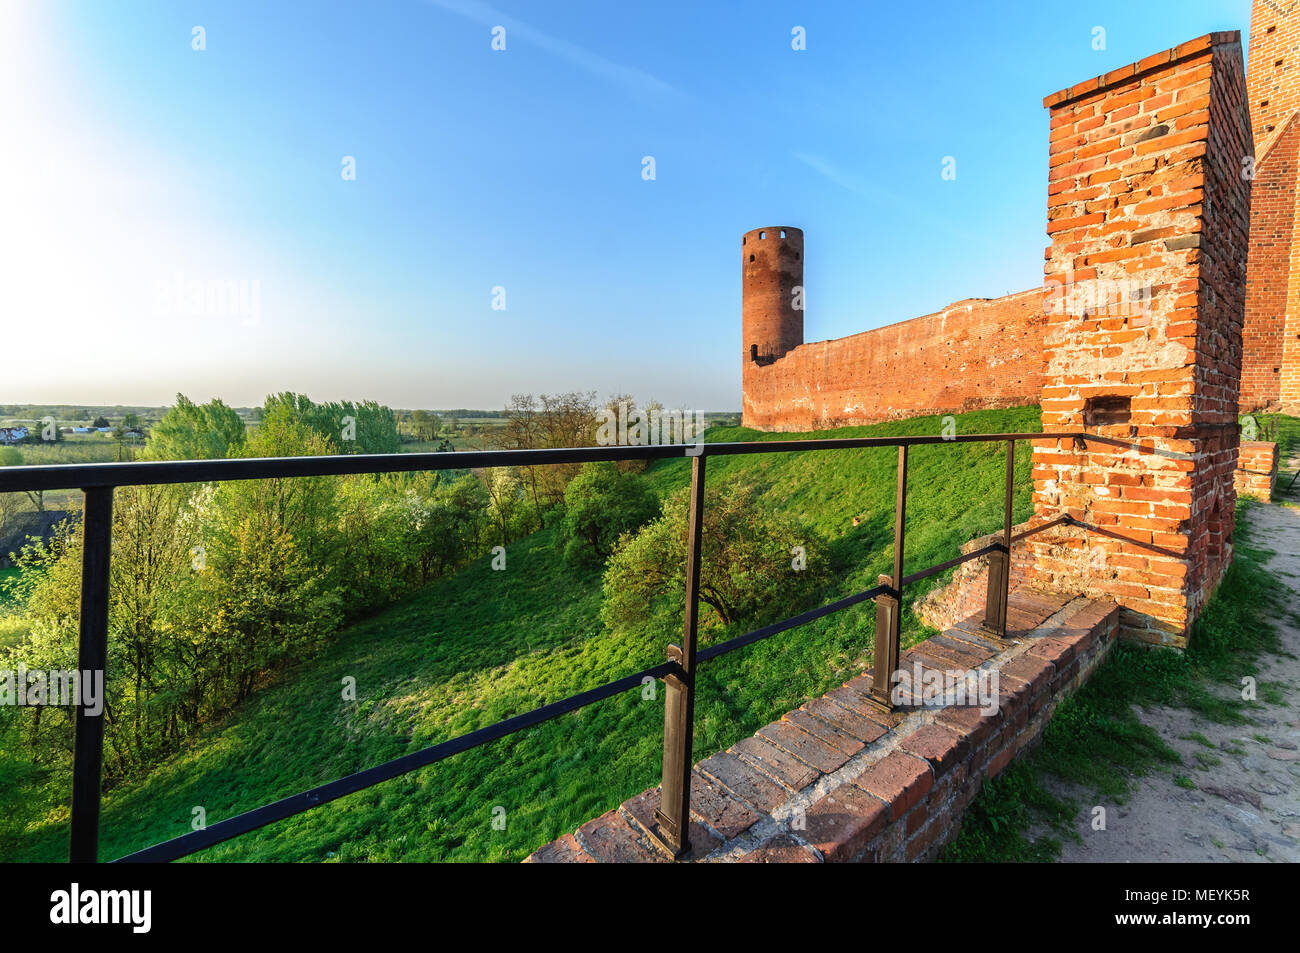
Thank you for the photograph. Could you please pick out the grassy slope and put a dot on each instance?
(480, 646)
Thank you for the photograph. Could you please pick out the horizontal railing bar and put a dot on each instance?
(1127, 539)
(757, 635)
(1038, 529)
(72, 476)
(1069, 520)
(957, 561)
(298, 803)
(851, 443)
(152, 473)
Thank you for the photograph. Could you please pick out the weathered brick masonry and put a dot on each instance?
(1257, 469)
(975, 354)
(964, 595)
(1271, 336)
(1146, 185)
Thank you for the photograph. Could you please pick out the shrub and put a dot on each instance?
(601, 504)
(751, 569)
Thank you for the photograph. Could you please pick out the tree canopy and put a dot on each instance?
(190, 431)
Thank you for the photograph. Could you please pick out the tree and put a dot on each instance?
(549, 421)
(190, 431)
(425, 425)
(119, 434)
(450, 525)
(101, 422)
(620, 405)
(268, 603)
(748, 563)
(508, 502)
(367, 427)
(151, 544)
(600, 505)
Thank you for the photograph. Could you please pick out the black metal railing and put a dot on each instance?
(97, 482)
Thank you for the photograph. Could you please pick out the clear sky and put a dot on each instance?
(129, 160)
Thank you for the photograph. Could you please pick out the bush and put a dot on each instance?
(756, 566)
(601, 504)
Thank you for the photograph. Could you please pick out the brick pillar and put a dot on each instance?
(1148, 213)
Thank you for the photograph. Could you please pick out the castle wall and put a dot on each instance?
(979, 353)
(1271, 335)
(1268, 276)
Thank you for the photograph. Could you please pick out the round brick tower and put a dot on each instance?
(771, 293)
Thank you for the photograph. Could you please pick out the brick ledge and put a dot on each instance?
(836, 780)
(1164, 58)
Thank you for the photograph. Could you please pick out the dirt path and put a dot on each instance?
(1245, 805)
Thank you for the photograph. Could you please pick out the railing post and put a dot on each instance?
(672, 828)
(92, 656)
(889, 606)
(999, 581)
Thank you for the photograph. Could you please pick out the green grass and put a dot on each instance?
(482, 645)
(1095, 739)
(1287, 434)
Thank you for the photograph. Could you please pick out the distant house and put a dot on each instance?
(81, 430)
(135, 434)
(10, 435)
(104, 429)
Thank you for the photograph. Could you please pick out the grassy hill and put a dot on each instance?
(482, 645)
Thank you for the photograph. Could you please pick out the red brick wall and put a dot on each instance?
(771, 292)
(1257, 469)
(1273, 82)
(1271, 337)
(1272, 225)
(978, 353)
(1145, 185)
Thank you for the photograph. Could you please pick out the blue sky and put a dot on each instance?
(132, 162)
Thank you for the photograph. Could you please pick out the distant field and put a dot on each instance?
(77, 448)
